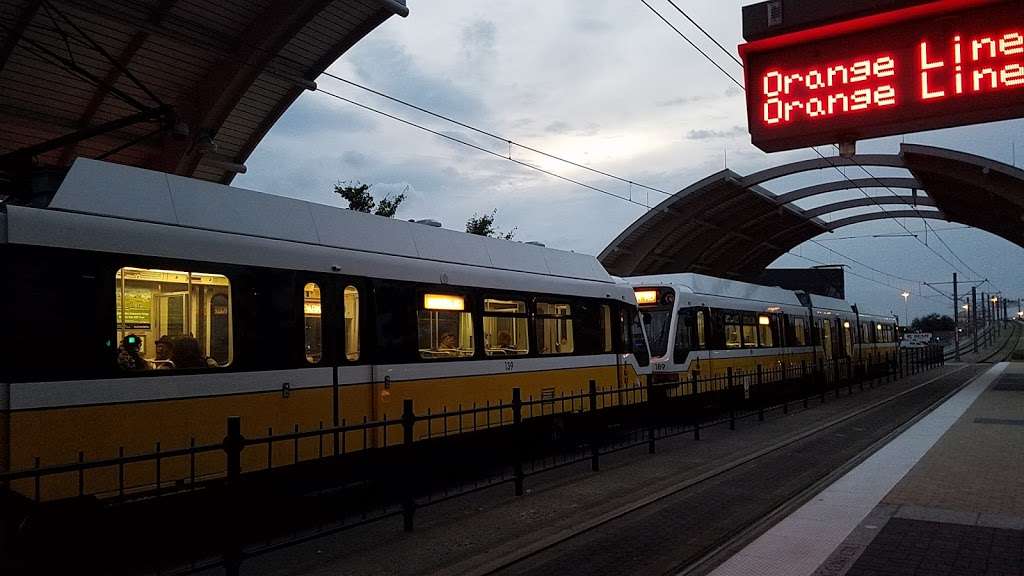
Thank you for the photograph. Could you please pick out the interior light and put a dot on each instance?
(879, 326)
(646, 296)
(846, 324)
(443, 302)
(311, 308)
(763, 321)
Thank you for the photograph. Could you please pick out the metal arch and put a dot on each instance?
(861, 202)
(851, 184)
(885, 160)
(929, 214)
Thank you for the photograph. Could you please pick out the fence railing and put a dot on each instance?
(985, 338)
(429, 456)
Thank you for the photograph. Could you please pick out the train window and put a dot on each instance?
(172, 320)
(684, 337)
(733, 327)
(445, 327)
(606, 328)
(764, 332)
(312, 323)
(701, 338)
(554, 328)
(799, 331)
(633, 335)
(505, 328)
(749, 332)
(351, 323)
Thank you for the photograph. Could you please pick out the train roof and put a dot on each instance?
(709, 285)
(128, 193)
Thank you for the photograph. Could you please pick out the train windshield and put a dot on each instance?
(657, 322)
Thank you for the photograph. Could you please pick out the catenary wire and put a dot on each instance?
(709, 36)
(818, 152)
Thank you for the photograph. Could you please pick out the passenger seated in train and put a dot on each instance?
(128, 356)
(164, 353)
(187, 354)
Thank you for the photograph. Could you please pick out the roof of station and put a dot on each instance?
(730, 226)
(188, 87)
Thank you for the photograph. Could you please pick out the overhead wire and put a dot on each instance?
(477, 147)
(818, 152)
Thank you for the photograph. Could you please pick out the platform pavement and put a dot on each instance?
(465, 535)
(946, 497)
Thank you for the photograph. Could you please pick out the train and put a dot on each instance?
(142, 309)
(705, 326)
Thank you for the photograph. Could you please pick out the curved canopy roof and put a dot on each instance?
(728, 225)
(182, 86)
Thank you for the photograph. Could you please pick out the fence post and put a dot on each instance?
(835, 375)
(783, 383)
(408, 499)
(233, 444)
(517, 439)
(760, 393)
(729, 395)
(803, 382)
(695, 379)
(820, 378)
(594, 449)
(650, 415)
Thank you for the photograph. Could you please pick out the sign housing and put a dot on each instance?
(936, 65)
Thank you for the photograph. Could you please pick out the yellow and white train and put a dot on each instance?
(141, 307)
(702, 325)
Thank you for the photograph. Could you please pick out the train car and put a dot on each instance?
(141, 307)
(705, 326)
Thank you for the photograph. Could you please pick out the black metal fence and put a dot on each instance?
(397, 466)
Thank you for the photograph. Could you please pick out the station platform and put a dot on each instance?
(944, 497)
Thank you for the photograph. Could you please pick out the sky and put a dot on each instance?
(607, 84)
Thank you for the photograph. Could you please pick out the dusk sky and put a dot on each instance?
(604, 83)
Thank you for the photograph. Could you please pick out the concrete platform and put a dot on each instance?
(944, 497)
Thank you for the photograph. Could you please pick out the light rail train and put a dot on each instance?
(702, 325)
(141, 307)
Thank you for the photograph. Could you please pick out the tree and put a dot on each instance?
(361, 199)
(483, 225)
(933, 323)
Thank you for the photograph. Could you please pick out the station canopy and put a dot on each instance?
(188, 87)
(730, 226)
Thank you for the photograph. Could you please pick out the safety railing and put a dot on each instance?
(371, 470)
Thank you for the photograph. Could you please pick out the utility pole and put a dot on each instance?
(974, 317)
(956, 325)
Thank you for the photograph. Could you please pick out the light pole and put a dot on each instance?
(906, 307)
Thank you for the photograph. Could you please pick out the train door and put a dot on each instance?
(825, 326)
(848, 341)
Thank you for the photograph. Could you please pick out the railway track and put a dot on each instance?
(691, 527)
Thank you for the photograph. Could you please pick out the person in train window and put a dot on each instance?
(186, 353)
(504, 340)
(447, 342)
(128, 357)
(164, 352)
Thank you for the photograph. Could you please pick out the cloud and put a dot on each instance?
(706, 134)
(387, 66)
(478, 46)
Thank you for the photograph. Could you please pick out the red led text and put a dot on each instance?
(827, 91)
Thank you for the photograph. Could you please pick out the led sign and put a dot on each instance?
(943, 64)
